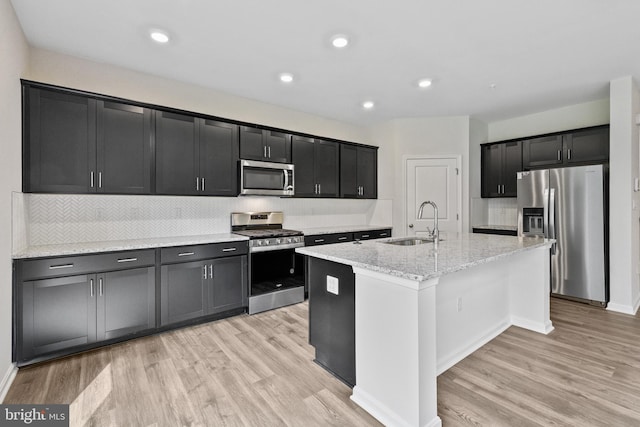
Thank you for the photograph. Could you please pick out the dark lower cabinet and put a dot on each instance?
(57, 314)
(332, 317)
(183, 292)
(126, 302)
(190, 290)
(60, 315)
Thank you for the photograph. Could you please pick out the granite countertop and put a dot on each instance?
(457, 251)
(497, 227)
(341, 229)
(124, 245)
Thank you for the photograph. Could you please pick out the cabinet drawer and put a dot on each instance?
(71, 265)
(371, 234)
(198, 252)
(325, 239)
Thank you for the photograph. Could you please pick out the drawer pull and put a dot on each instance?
(318, 241)
(383, 234)
(127, 259)
(59, 266)
(342, 238)
(364, 236)
(186, 253)
(229, 249)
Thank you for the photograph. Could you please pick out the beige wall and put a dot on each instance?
(14, 53)
(68, 71)
(414, 137)
(556, 120)
(624, 212)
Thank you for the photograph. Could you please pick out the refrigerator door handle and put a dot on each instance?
(545, 214)
(552, 218)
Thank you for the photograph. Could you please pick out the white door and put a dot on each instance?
(436, 179)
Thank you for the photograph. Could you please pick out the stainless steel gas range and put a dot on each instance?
(276, 272)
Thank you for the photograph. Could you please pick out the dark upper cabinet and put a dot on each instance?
(358, 171)
(195, 156)
(176, 154)
(218, 158)
(124, 148)
(500, 164)
(77, 144)
(316, 167)
(545, 151)
(589, 145)
(59, 142)
(265, 145)
(579, 147)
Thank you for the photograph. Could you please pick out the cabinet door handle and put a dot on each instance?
(91, 175)
(498, 188)
(269, 151)
(186, 253)
(229, 249)
(99, 179)
(127, 259)
(342, 238)
(569, 154)
(91, 288)
(559, 155)
(202, 184)
(100, 287)
(319, 188)
(197, 183)
(59, 266)
(204, 276)
(265, 151)
(318, 241)
(210, 271)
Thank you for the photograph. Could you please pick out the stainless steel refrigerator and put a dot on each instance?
(571, 206)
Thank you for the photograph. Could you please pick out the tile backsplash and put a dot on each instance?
(503, 211)
(43, 219)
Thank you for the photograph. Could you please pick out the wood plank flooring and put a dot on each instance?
(258, 371)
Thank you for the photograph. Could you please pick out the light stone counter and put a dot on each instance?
(342, 229)
(419, 311)
(124, 245)
(421, 262)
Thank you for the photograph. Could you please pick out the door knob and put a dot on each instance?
(410, 225)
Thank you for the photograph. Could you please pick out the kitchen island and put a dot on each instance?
(420, 310)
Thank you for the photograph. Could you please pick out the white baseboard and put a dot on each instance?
(623, 308)
(7, 380)
(383, 413)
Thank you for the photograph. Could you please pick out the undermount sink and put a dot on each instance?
(411, 241)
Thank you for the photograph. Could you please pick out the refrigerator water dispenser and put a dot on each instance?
(533, 221)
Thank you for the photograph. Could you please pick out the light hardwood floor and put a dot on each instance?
(258, 370)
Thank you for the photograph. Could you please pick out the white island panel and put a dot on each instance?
(419, 310)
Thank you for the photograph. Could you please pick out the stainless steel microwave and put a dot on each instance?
(266, 178)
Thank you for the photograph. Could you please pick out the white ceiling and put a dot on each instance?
(540, 54)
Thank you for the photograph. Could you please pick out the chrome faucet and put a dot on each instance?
(435, 233)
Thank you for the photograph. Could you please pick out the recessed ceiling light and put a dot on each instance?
(286, 77)
(424, 83)
(492, 86)
(368, 105)
(339, 41)
(159, 36)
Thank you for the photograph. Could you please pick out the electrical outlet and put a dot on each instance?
(333, 285)
(459, 304)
